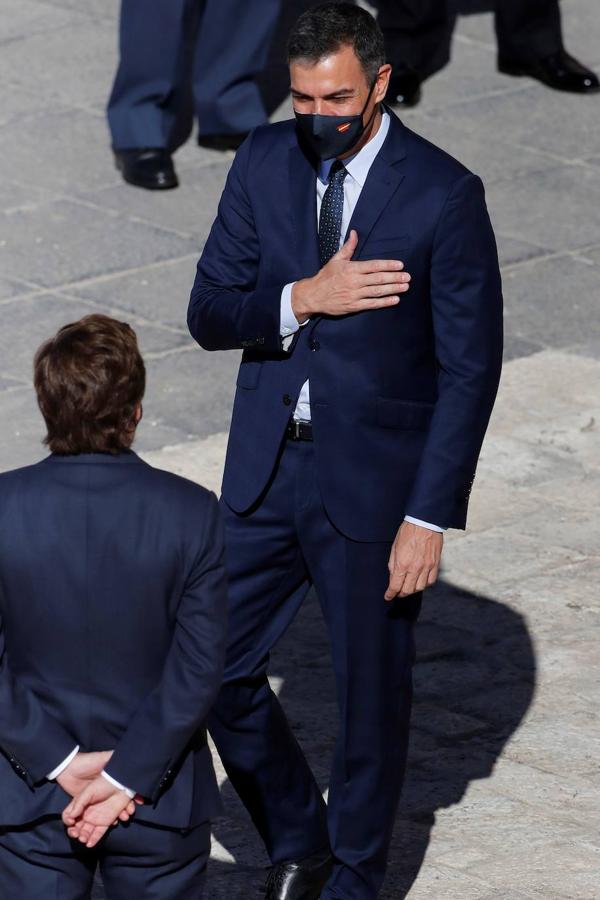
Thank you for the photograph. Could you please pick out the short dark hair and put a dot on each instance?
(89, 379)
(326, 28)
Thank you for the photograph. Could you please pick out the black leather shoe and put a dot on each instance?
(559, 71)
(222, 141)
(404, 89)
(303, 880)
(150, 168)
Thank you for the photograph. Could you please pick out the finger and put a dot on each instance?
(395, 585)
(422, 580)
(410, 584)
(368, 266)
(96, 835)
(346, 251)
(67, 818)
(139, 800)
(366, 303)
(77, 806)
(384, 278)
(433, 576)
(85, 832)
(130, 808)
(369, 291)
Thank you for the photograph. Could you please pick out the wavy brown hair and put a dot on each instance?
(89, 379)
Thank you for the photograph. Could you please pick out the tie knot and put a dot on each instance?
(338, 171)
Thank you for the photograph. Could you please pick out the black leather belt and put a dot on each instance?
(299, 431)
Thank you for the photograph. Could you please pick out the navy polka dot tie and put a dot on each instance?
(330, 218)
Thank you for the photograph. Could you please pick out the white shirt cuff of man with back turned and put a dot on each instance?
(55, 773)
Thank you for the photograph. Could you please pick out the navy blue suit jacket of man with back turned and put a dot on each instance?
(400, 397)
(112, 631)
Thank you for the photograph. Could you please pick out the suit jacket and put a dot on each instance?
(400, 397)
(112, 628)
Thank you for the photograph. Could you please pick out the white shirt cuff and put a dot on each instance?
(289, 324)
(61, 768)
(423, 524)
(130, 793)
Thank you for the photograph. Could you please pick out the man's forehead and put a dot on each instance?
(336, 72)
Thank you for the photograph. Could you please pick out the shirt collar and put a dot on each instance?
(358, 165)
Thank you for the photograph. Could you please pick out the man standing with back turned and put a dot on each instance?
(359, 416)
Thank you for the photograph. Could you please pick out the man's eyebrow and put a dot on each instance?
(339, 93)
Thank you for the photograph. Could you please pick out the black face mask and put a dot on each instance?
(330, 136)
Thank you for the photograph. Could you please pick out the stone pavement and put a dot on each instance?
(502, 799)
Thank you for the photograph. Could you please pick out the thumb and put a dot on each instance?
(347, 250)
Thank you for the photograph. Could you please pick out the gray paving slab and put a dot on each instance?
(191, 210)
(529, 118)
(555, 220)
(22, 19)
(21, 427)
(492, 159)
(159, 291)
(553, 302)
(66, 64)
(33, 319)
(75, 152)
(108, 9)
(12, 287)
(66, 240)
(192, 391)
(18, 104)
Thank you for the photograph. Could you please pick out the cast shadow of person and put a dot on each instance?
(474, 682)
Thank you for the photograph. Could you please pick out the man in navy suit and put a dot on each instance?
(112, 636)
(360, 411)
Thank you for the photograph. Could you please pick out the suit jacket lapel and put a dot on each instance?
(384, 178)
(303, 194)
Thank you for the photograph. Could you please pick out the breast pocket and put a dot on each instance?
(386, 247)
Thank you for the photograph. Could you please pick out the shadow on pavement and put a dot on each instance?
(474, 682)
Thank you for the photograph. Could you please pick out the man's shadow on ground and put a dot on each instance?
(474, 682)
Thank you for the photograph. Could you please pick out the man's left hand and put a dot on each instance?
(99, 806)
(414, 561)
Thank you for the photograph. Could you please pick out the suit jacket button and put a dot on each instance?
(314, 344)
(287, 400)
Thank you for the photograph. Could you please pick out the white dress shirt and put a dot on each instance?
(357, 168)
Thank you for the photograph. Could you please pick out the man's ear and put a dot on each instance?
(138, 413)
(383, 80)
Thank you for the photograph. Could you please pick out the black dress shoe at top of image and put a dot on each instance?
(222, 141)
(404, 89)
(559, 71)
(302, 880)
(149, 167)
